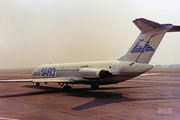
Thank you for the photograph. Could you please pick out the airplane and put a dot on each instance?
(95, 73)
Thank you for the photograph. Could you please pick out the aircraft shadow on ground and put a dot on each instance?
(100, 97)
(104, 98)
(81, 92)
(46, 90)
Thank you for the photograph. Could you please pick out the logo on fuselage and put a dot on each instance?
(48, 72)
(142, 46)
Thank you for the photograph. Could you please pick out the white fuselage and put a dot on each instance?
(101, 72)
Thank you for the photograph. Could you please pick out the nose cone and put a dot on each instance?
(35, 73)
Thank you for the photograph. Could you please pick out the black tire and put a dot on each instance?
(94, 86)
(37, 84)
(67, 88)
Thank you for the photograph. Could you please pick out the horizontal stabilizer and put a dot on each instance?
(145, 25)
(174, 29)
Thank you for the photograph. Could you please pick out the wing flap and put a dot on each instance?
(62, 80)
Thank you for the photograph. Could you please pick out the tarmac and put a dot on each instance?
(141, 98)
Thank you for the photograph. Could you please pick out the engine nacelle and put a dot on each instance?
(94, 73)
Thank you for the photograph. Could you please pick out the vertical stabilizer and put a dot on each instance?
(149, 39)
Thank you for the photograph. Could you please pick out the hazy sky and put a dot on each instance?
(34, 32)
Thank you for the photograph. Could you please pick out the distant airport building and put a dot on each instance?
(168, 66)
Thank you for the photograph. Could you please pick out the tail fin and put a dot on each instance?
(149, 39)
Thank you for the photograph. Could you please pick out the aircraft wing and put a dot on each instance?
(61, 80)
(16, 80)
(145, 25)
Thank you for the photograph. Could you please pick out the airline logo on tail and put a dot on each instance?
(139, 47)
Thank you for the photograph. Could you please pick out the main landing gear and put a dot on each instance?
(37, 84)
(67, 88)
(94, 87)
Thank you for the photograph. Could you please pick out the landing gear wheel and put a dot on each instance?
(67, 88)
(94, 87)
(37, 84)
